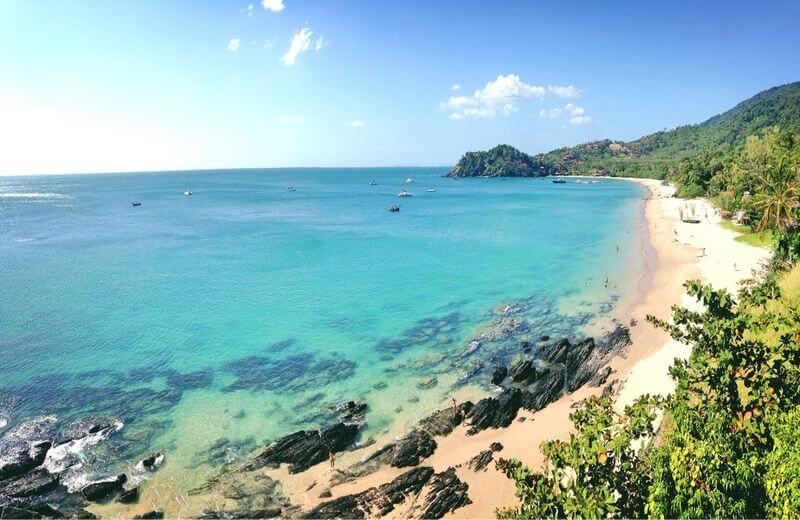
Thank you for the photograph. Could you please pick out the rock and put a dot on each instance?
(444, 421)
(504, 328)
(149, 515)
(601, 376)
(408, 451)
(427, 383)
(152, 462)
(326, 494)
(447, 493)
(499, 374)
(481, 460)
(522, 371)
(32, 483)
(496, 446)
(350, 411)
(129, 496)
(546, 388)
(544, 338)
(634, 322)
(21, 458)
(471, 347)
(24, 510)
(495, 412)
(104, 489)
(375, 501)
(303, 449)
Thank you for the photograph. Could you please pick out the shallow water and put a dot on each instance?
(241, 312)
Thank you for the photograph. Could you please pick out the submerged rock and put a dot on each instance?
(129, 496)
(104, 489)
(152, 462)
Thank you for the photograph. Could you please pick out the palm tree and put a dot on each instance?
(777, 196)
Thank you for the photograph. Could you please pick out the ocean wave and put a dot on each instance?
(67, 455)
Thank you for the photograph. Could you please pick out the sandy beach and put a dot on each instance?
(678, 251)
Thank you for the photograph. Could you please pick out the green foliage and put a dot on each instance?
(500, 161)
(598, 472)
(783, 467)
(777, 196)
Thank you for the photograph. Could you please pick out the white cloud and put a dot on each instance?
(456, 116)
(565, 91)
(500, 96)
(250, 8)
(357, 123)
(289, 120)
(577, 115)
(275, 6)
(269, 43)
(552, 113)
(455, 87)
(233, 45)
(302, 41)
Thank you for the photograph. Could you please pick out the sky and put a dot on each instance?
(98, 86)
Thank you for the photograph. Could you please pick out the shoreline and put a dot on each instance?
(670, 250)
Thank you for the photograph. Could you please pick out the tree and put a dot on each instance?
(777, 196)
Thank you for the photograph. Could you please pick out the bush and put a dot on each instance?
(783, 467)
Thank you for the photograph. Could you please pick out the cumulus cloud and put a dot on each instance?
(357, 123)
(501, 96)
(275, 6)
(289, 120)
(456, 87)
(250, 8)
(552, 113)
(567, 91)
(234, 44)
(302, 41)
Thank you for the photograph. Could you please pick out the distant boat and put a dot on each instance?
(559, 181)
(188, 192)
(404, 193)
(394, 208)
(136, 203)
(431, 190)
(290, 188)
(409, 180)
(373, 183)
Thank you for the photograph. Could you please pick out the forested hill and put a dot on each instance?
(656, 155)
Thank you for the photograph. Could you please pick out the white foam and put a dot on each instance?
(68, 455)
(32, 195)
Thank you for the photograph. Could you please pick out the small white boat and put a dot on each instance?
(290, 188)
(431, 190)
(404, 193)
(373, 183)
(188, 192)
(409, 180)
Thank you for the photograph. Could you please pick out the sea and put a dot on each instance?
(204, 326)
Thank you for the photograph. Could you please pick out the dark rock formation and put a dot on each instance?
(499, 374)
(504, 328)
(104, 489)
(447, 493)
(270, 512)
(495, 412)
(376, 501)
(25, 510)
(152, 462)
(410, 449)
(129, 496)
(303, 449)
(522, 371)
(35, 482)
(482, 459)
(18, 459)
(154, 515)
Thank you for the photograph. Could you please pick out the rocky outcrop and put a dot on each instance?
(480, 461)
(495, 412)
(33, 483)
(270, 512)
(20, 458)
(501, 161)
(304, 449)
(447, 493)
(499, 374)
(376, 501)
(409, 450)
(104, 489)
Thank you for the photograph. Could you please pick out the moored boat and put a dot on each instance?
(393, 208)
(404, 193)
(136, 203)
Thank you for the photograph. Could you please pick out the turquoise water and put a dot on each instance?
(242, 311)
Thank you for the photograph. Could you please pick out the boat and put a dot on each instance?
(394, 208)
(188, 192)
(136, 203)
(373, 183)
(404, 193)
(290, 188)
(431, 190)
(409, 180)
(559, 181)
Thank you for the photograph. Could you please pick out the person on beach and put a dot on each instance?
(455, 407)
(605, 283)
(463, 417)
(332, 458)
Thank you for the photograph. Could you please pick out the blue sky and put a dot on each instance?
(126, 86)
